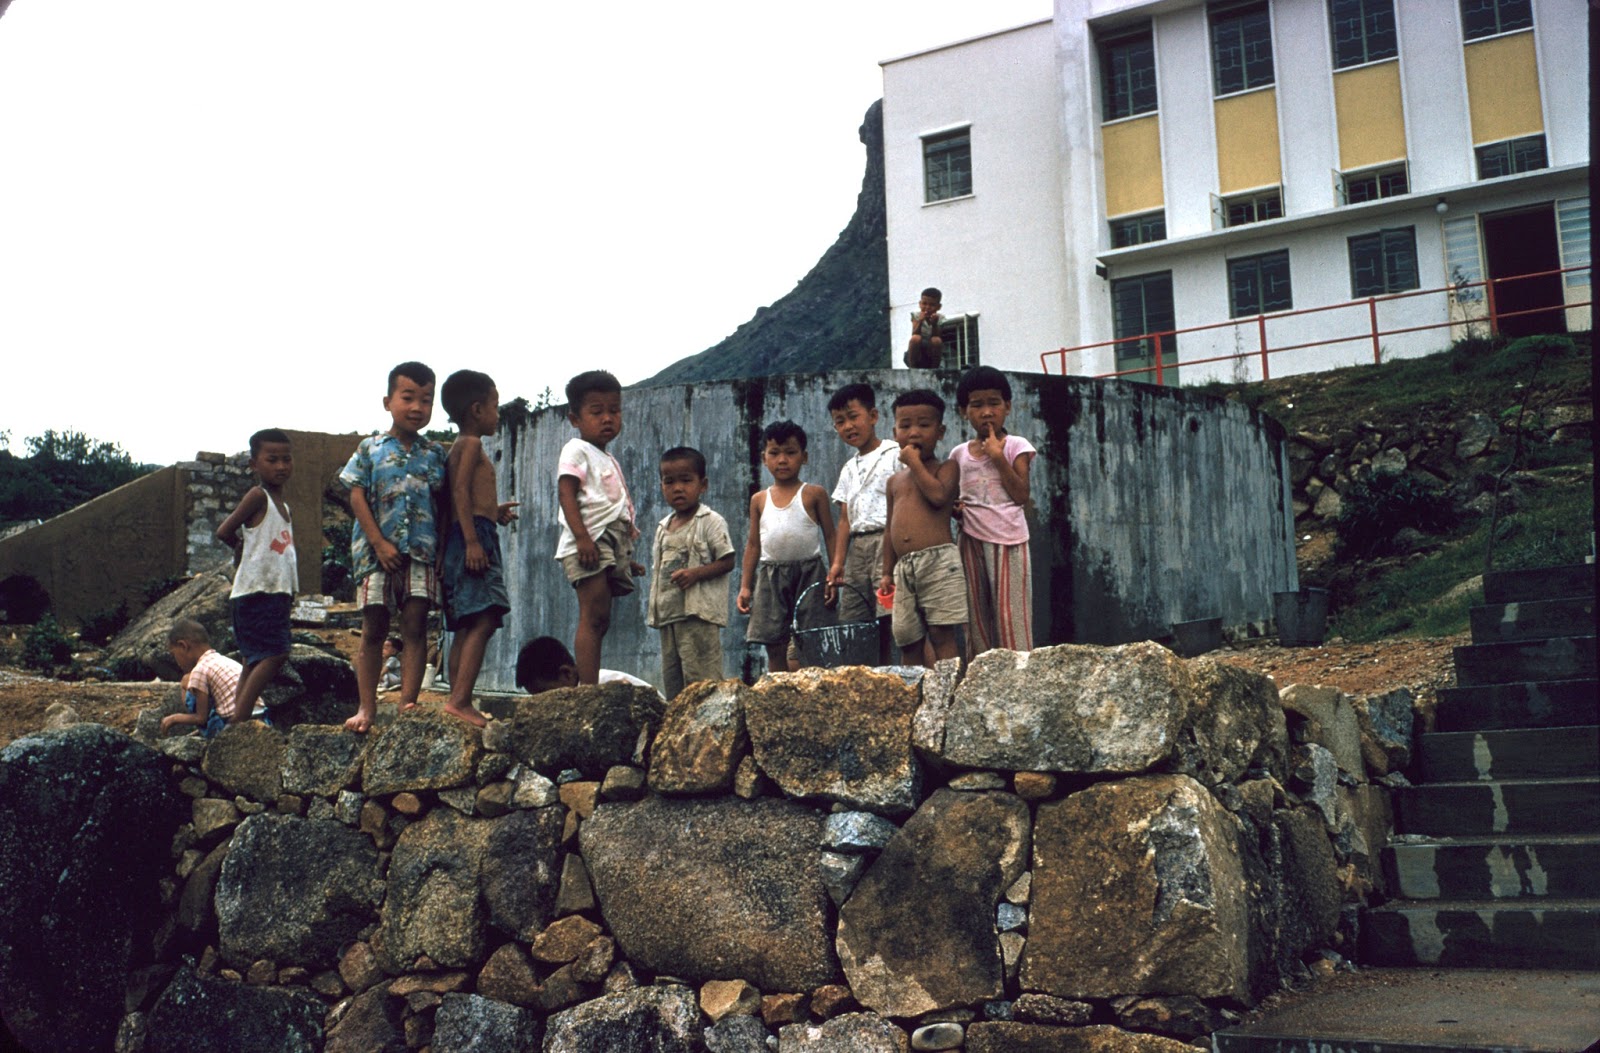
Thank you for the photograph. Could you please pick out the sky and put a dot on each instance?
(218, 216)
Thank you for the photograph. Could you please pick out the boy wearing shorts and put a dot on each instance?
(395, 480)
(692, 556)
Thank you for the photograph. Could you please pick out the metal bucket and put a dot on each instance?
(1302, 616)
(841, 643)
(1190, 639)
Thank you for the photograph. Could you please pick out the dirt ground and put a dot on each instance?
(1369, 668)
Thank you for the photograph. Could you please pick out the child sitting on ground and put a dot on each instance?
(597, 521)
(691, 557)
(994, 523)
(926, 349)
(266, 571)
(391, 665)
(783, 551)
(545, 664)
(859, 496)
(921, 566)
(211, 680)
(394, 482)
(475, 600)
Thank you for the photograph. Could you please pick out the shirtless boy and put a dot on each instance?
(921, 565)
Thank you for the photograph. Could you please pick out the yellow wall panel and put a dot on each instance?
(1372, 121)
(1133, 165)
(1503, 88)
(1247, 141)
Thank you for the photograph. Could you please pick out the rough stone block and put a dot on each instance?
(701, 739)
(421, 751)
(247, 759)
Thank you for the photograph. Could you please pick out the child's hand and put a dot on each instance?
(991, 445)
(507, 512)
(477, 559)
(588, 554)
(910, 455)
(830, 593)
(169, 720)
(743, 602)
(683, 577)
(389, 557)
(836, 574)
(958, 509)
(636, 569)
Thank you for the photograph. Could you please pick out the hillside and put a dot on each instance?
(835, 318)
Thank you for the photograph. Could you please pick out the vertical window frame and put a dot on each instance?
(1383, 262)
(1139, 99)
(940, 172)
(1237, 20)
(1133, 351)
(1375, 36)
(1272, 279)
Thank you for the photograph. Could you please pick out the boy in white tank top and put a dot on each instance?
(783, 551)
(266, 576)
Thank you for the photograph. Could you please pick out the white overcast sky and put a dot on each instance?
(217, 216)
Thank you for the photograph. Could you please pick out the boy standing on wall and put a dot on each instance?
(691, 557)
(863, 508)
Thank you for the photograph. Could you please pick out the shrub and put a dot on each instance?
(46, 646)
(99, 627)
(1378, 505)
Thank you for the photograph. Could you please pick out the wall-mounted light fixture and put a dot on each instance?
(1441, 206)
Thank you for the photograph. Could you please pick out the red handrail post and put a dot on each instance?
(1261, 324)
(1494, 319)
(1159, 381)
(1372, 312)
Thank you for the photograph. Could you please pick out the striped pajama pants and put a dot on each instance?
(999, 596)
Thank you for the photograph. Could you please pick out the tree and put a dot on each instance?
(62, 470)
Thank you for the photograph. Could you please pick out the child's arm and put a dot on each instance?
(889, 556)
(1013, 474)
(252, 506)
(202, 710)
(567, 493)
(938, 487)
(752, 555)
(465, 453)
(387, 555)
(683, 577)
(817, 500)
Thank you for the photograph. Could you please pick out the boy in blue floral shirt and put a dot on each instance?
(395, 480)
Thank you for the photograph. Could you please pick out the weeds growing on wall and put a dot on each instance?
(1379, 505)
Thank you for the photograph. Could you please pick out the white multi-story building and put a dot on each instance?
(1132, 167)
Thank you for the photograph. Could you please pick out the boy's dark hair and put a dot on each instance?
(981, 378)
(934, 294)
(592, 382)
(540, 659)
(461, 389)
(686, 453)
(412, 370)
(861, 393)
(189, 630)
(266, 435)
(783, 431)
(399, 642)
(919, 397)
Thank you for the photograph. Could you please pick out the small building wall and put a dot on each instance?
(1151, 505)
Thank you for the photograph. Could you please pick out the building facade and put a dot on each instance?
(1295, 175)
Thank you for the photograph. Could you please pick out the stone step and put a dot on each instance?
(1494, 868)
(1475, 809)
(1566, 658)
(1525, 753)
(1533, 619)
(1428, 1011)
(1481, 934)
(1528, 704)
(1540, 583)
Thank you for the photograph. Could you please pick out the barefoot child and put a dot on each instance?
(597, 523)
(920, 563)
(266, 575)
(783, 550)
(859, 497)
(691, 557)
(394, 480)
(472, 575)
(994, 524)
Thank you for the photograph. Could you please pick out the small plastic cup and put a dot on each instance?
(886, 598)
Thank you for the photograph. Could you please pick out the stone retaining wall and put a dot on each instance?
(1077, 848)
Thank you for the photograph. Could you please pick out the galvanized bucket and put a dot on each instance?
(841, 643)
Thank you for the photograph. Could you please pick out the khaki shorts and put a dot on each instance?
(777, 587)
(691, 651)
(616, 557)
(929, 589)
(414, 581)
(863, 568)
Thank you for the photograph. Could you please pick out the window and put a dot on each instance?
(1241, 47)
(1128, 74)
(1363, 31)
(1252, 207)
(1512, 156)
(1383, 262)
(1372, 184)
(1463, 260)
(1259, 284)
(1572, 221)
(1485, 18)
(947, 165)
(960, 336)
(1141, 305)
(1136, 230)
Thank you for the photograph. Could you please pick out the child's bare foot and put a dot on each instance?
(408, 707)
(466, 713)
(361, 723)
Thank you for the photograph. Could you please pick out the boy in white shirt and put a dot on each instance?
(863, 509)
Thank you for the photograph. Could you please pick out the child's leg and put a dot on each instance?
(466, 660)
(778, 657)
(413, 655)
(940, 644)
(256, 677)
(594, 618)
(1012, 592)
(671, 661)
(369, 661)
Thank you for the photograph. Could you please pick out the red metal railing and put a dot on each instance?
(1493, 316)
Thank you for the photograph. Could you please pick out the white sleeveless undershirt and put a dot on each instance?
(788, 535)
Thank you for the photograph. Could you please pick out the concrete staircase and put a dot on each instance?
(1495, 861)
(1496, 855)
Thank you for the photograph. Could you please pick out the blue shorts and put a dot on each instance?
(214, 722)
(467, 595)
(261, 625)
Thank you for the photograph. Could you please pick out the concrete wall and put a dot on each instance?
(1153, 505)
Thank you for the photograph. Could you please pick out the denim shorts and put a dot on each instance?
(467, 594)
(214, 722)
(261, 625)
